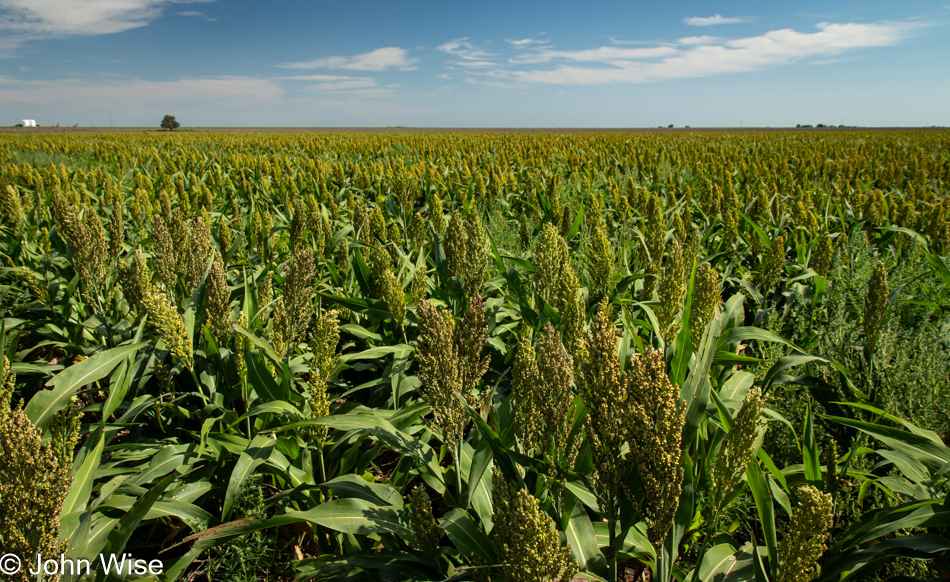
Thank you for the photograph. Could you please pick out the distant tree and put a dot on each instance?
(169, 123)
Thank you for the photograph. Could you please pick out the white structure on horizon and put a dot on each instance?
(28, 123)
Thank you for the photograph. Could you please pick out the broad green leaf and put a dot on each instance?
(466, 536)
(64, 385)
(583, 544)
(763, 504)
(358, 517)
(256, 453)
(357, 487)
(810, 450)
(131, 520)
(80, 489)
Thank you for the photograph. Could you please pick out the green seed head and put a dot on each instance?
(738, 448)
(524, 537)
(653, 422)
(773, 265)
(423, 523)
(805, 536)
(706, 298)
(875, 305)
(600, 262)
(169, 324)
(219, 304)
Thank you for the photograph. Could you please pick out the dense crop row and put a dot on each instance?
(508, 357)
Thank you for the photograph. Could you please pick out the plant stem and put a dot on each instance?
(612, 537)
(458, 469)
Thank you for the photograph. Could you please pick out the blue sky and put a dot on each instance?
(488, 64)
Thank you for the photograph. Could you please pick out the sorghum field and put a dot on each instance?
(701, 357)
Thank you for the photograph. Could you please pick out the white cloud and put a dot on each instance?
(362, 86)
(524, 42)
(705, 39)
(196, 14)
(713, 20)
(220, 91)
(30, 19)
(469, 54)
(380, 59)
(605, 54)
(703, 57)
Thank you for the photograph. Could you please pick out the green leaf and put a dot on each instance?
(749, 333)
(466, 536)
(719, 560)
(577, 487)
(385, 432)
(360, 332)
(763, 504)
(810, 450)
(477, 494)
(369, 307)
(131, 520)
(356, 516)
(261, 344)
(46, 403)
(256, 453)
(376, 353)
(79, 491)
(695, 391)
(354, 486)
(580, 537)
(503, 459)
(925, 450)
(576, 225)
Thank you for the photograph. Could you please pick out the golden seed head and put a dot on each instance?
(35, 475)
(437, 356)
(674, 279)
(805, 536)
(524, 537)
(455, 244)
(219, 303)
(823, 254)
(653, 422)
(600, 261)
(706, 299)
(169, 324)
(773, 264)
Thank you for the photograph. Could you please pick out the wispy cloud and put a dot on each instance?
(468, 55)
(606, 54)
(196, 14)
(339, 84)
(699, 56)
(218, 91)
(524, 41)
(705, 39)
(381, 59)
(714, 20)
(22, 20)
